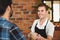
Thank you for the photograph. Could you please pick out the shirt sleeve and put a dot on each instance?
(51, 30)
(16, 33)
(33, 26)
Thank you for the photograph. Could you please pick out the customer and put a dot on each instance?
(8, 30)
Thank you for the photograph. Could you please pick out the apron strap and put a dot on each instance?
(46, 25)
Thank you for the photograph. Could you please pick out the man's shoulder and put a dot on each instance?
(9, 24)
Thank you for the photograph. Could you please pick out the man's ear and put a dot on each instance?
(8, 9)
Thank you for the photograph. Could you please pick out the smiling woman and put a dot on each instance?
(42, 28)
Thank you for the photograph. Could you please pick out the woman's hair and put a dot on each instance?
(43, 4)
(3, 5)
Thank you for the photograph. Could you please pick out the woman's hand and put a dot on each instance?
(34, 36)
(39, 37)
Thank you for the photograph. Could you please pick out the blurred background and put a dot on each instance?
(24, 13)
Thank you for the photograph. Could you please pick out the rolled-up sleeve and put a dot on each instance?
(51, 30)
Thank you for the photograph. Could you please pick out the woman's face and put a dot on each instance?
(42, 12)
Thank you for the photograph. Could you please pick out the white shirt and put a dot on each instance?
(49, 27)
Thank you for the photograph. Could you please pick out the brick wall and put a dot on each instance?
(23, 14)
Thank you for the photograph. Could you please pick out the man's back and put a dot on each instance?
(9, 31)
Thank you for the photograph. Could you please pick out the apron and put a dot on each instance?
(42, 32)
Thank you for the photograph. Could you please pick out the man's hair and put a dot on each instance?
(3, 5)
(43, 4)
